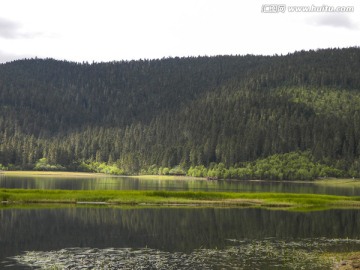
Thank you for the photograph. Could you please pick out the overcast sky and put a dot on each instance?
(108, 30)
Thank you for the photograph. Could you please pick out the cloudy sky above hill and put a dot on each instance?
(108, 30)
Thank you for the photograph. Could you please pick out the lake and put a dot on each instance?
(127, 183)
(104, 237)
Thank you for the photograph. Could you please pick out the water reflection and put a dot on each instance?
(166, 229)
(126, 183)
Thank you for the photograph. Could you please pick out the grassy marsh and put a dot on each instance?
(137, 197)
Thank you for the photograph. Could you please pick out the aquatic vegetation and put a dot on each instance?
(240, 254)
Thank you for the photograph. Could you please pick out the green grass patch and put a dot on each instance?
(269, 200)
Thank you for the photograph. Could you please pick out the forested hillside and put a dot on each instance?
(224, 116)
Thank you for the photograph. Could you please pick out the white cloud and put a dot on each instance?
(8, 29)
(335, 20)
(13, 30)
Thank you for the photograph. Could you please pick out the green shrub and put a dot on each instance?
(3, 168)
(93, 166)
(43, 165)
(177, 170)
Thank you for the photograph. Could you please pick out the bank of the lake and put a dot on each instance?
(63, 174)
(189, 198)
(74, 174)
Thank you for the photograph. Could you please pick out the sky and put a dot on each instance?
(115, 30)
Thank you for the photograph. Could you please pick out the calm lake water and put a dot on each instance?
(126, 183)
(163, 237)
(70, 237)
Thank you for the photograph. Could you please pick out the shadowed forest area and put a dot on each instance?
(295, 116)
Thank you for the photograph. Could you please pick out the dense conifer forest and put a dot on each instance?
(295, 116)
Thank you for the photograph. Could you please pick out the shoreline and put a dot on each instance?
(92, 174)
(75, 174)
(54, 174)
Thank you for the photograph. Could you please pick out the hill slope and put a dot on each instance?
(183, 111)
